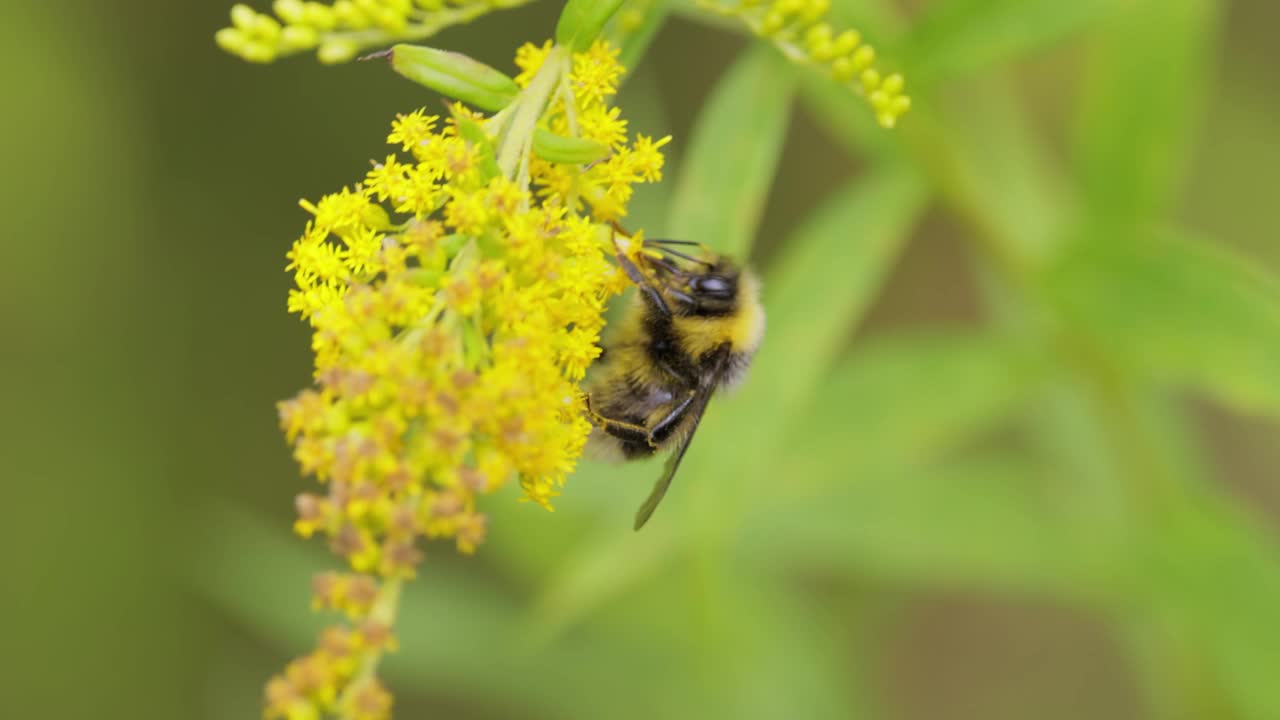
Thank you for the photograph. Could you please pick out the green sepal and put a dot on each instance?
(423, 277)
(453, 74)
(582, 20)
(451, 245)
(475, 348)
(570, 150)
(491, 244)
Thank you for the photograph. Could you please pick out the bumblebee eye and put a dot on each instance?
(714, 286)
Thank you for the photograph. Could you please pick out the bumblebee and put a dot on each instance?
(690, 330)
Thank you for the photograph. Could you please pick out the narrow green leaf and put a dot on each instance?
(593, 574)
(762, 663)
(901, 401)
(979, 523)
(581, 21)
(962, 37)
(828, 275)
(863, 487)
(725, 178)
(1177, 310)
(1003, 168)
(1144, 92)
(829, 272)
(984, 159)
(1210, 579)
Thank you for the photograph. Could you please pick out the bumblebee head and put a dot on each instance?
(699, 284)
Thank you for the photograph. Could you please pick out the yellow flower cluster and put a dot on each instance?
(455, 307)
(582, 109)
(799, 28)
(340, 31)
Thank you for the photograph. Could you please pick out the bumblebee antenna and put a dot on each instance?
(673, 242)
(691, 259)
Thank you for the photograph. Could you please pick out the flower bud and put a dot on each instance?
(336, 51)
(571, 150)
(453, 74)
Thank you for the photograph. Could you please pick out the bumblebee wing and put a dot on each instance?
(694, 413)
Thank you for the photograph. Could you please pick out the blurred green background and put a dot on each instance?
(1009, 451)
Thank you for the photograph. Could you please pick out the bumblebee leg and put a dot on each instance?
(651, 294)
(624, 431)
(667, 425)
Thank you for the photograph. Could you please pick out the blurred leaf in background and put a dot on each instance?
(1058, 503)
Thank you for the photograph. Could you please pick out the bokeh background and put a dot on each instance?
(1010, 451)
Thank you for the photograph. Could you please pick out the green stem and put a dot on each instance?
(1110, 392)
(529, 107)
(571, 117)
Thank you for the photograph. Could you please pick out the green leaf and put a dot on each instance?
(1002, 168)
(860, 483)
(581, 21)
(901, 401)
(984, 160)
(828, 274)
(595, 572)
(825, 279)
(1206, 581)
(758, 661)
(962, 37)
(725, 178)
(1177, 310)
(1143, 94)
(453, 74)
(979, 523)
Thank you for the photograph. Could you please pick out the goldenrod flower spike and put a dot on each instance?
(799, 28)
(341, 31)
(455, 298)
